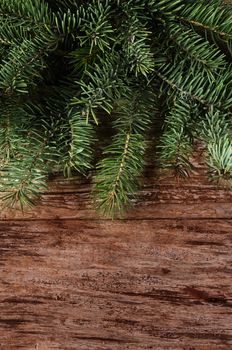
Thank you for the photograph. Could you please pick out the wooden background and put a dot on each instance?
(160, 278)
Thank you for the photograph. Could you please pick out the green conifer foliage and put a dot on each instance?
(70, 69)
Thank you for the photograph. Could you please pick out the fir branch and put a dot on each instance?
(33, 11)
(102, 87)
(226, 80)
(116, 180)
(116, 174)
(24, 177)
(216, 132)
(195, 47)
(22, 64)
(188, 80)
(175, 143)
(67, 23)
(76, 144)
(13, 119)
(217, 18)
(117, 57)
(12, 31)
(136, 45)
(96, 27)
(166, 7)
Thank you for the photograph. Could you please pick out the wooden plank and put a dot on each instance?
(133, 285)
(72, 199)
(160, 196)
(160, 278)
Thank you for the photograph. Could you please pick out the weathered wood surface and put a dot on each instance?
(159, 279)
(157, 284)
(158, 198)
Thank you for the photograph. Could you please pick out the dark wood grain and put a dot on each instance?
(157, 284)
(159, 278)
(158, 198)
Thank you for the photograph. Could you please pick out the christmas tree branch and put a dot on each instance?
(175, 143)
(116, 180)
(216, 132)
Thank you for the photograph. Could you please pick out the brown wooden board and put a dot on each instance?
(159, 278)
(137, 284)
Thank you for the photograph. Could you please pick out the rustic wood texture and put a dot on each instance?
(160, 278)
